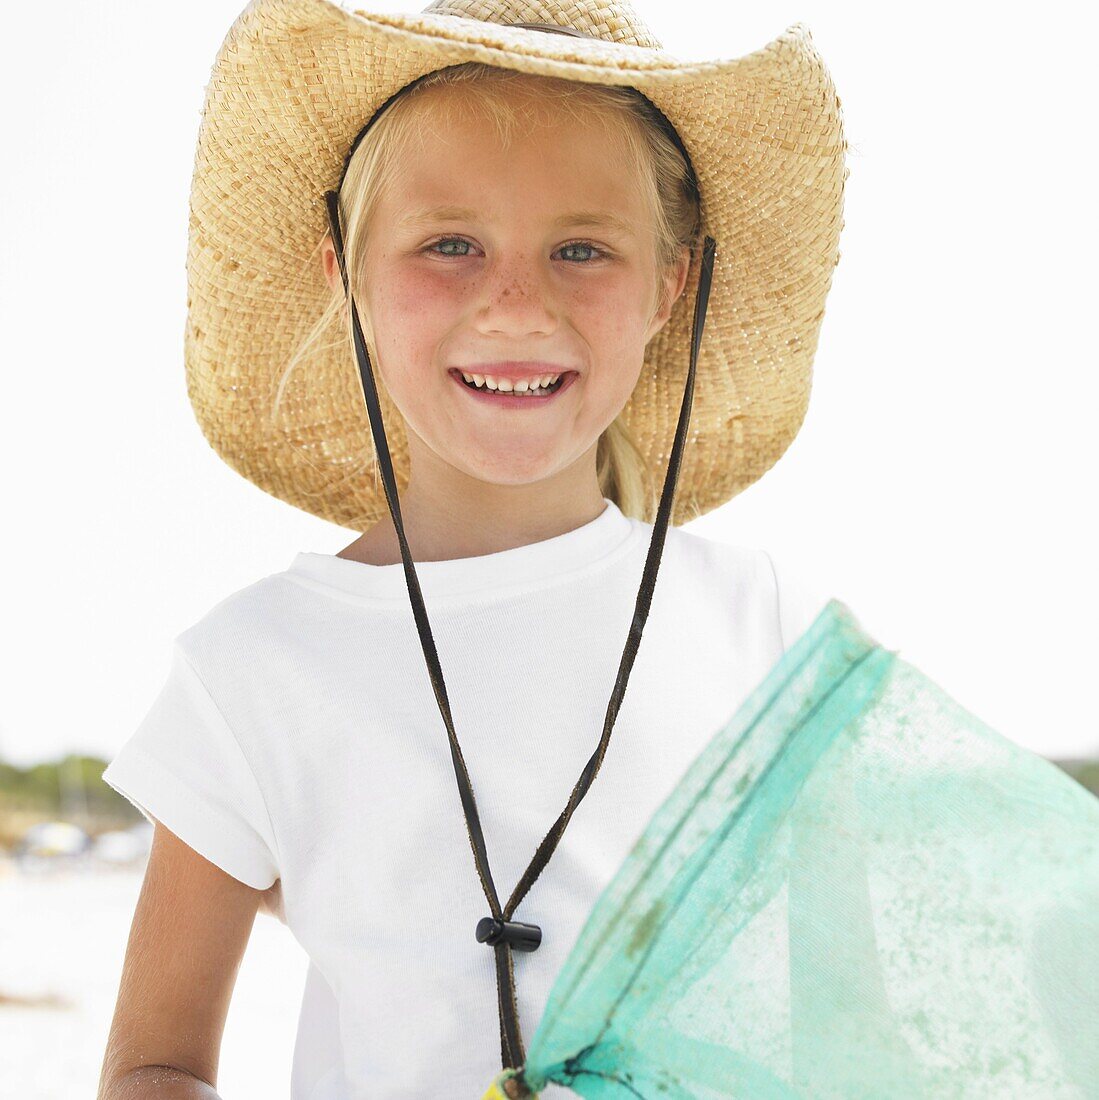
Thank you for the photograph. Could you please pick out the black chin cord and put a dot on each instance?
(498, 930)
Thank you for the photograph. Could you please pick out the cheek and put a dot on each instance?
(613, 320)
(412, 316)
(614, 326)
(416, 310)
(413, 300)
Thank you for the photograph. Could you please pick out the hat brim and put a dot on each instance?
(293, 83)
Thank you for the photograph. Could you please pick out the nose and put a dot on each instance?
(516, 300)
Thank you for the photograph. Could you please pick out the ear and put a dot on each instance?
(672, 287)
(331, 265)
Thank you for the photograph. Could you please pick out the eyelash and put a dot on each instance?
(599, 252)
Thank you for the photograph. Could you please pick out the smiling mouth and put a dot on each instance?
(523, 395)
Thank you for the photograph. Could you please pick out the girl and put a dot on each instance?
(509, 242)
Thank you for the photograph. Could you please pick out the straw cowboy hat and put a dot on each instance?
(291, 88)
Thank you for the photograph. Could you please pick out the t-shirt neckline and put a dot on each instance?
(522, 567)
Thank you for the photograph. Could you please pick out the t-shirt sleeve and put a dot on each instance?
(184, 767)
(800, 598)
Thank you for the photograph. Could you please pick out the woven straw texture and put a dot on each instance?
(293, 83)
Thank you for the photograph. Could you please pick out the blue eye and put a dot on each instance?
(597, 252)
(582, 244)
(448, 240)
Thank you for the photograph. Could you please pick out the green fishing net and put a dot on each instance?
(857, 890)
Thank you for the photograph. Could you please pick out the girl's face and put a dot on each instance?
(535, 260)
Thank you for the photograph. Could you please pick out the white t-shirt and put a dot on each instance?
(298, 739)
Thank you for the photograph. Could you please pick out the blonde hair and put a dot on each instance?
(663, 176)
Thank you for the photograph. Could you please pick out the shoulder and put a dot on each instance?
(780, 583)
(800, 594)
(712, 556)
(249, 628)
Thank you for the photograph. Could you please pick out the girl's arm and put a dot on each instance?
(159, 1083)
(190, 928)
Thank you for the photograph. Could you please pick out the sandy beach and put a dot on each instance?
(62, 941)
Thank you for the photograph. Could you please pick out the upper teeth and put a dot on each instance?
(521, 386)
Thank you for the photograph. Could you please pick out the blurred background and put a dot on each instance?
(939, 485)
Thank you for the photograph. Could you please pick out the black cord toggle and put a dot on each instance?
(522, 937)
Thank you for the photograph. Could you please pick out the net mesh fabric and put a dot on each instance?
(858, 889)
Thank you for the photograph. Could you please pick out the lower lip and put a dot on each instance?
(508, 401)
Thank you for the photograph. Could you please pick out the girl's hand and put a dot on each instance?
(509, 1086)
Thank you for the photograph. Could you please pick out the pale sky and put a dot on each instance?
(939, 485)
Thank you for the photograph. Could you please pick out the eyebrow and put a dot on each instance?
(592, 218)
